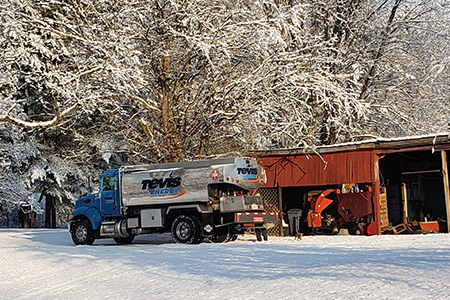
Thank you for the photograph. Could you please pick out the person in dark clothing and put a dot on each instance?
(259, 232)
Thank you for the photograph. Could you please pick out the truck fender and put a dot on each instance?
(90, 213)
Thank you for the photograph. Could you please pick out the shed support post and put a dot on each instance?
(446, 186)
(280, 203)
(376, 195)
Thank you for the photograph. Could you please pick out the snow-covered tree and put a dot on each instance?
(306, 92)
(16, 155)
(56, 72)
(407, 82)
(90, 84)
(195, 54)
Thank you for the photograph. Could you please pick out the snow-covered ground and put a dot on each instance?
(44, 264)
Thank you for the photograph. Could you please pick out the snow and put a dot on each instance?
(44, 264)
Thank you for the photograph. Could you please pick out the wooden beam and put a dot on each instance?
(384, 212)
(405, 202)
(376, 194)
(280, 203)
(446, 186)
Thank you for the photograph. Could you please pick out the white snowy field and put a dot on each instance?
(44, 264)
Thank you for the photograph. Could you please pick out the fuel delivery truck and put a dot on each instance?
(215, 199)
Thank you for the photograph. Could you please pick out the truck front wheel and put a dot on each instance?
(82, 233)
(186, 230)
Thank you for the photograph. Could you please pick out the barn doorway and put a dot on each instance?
(415, 188)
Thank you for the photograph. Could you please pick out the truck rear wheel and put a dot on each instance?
(82, 233)
(223, 235)
(126, 240)
(224, 238)
(186, 230)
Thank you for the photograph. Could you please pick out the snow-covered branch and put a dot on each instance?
(57, 119)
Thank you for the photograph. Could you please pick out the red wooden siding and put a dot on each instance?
(310, 170)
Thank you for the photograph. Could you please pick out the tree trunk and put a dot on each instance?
(380, 51)
(50, 212)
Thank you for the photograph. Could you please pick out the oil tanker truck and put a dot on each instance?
(214, 199)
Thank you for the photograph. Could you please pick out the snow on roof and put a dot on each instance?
(407, 142)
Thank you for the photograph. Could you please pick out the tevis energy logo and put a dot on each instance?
(169, 187)
(248, 173)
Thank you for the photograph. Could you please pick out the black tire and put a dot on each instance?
(126, 240)
(186, 230)
(334, 230)
(200, 236)
(82, 233)
(223, 236)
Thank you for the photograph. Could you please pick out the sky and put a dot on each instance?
(44, 264)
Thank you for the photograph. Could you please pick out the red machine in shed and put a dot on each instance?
(332, 210)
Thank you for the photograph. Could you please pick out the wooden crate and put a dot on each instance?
(384, 218)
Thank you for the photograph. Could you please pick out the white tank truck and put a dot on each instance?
(215, 199)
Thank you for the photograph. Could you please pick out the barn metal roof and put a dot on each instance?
(431, 142)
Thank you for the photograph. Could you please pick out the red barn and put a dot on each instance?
(368, 187)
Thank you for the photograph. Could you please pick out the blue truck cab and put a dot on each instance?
(92, 209)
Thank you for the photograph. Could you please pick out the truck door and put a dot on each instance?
(110, 196)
